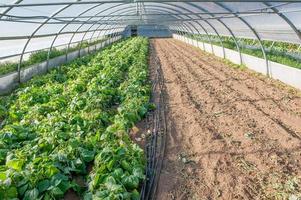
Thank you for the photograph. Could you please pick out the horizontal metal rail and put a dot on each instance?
(126, 1)
(52, 34)
(61, 45)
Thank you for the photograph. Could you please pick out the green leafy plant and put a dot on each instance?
(278, 52)
(56, 125)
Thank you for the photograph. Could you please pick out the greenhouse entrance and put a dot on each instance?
(150, 31)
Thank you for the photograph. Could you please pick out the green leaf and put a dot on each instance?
(112, 186)
(87, 155)
(31, 194)
(43, 185)
(88, 196)
(138, 172)
(2, 176)
(3, 111)
(15, 164)
(64, 186)
(47, 197)
(111, 164)
(125, 165)
(12, 192)
(22, 189)
(117, 174)
(57, 192)
(130, 182)
(135, 195)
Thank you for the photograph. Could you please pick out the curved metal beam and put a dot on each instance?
(189, 17)
(254, 32)
(148, 6)
(59, 32)
(177, 11)
(212, 26)
(152, 6)
(285, 18)
(156, 10)
(71, 38)
(33, 33)
(9, 8)
(132, 7)
(221, 22)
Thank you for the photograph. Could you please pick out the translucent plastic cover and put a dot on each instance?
(28, 25)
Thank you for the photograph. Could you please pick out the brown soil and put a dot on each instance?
(231, 134)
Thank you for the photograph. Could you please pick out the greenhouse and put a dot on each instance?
(150, 99)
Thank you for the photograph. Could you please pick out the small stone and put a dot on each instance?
(135, 129)
(249, 135)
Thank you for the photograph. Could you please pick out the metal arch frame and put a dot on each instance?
(113, 28)
(34, 32)
(165, 11)
(251, 28)
(100, 33)
(184, 29)
(254, 32)
(189, 17)
(95, 23)
(121, 1)
(107, 32)
(276, 11)
(198, 7)
(83, 37)
(221, 22)
(230, 31)
(205, 30)
(156, 10)
(285, 18)
(131, 7)
(71, 38)
(65, 7)
(121, 12)
(64, 26)
(102, 24)
(172, 13)
(9, 8)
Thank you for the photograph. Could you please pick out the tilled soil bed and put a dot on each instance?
(231, 134)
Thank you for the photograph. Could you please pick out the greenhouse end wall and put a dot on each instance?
(11, 81)
(284, 73)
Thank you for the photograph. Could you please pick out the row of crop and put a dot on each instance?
(276, 51)
(56, 125)
(37, 111)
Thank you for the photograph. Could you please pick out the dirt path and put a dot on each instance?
(231, 134)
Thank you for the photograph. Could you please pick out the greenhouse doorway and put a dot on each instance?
(134, 30)
(150, 31)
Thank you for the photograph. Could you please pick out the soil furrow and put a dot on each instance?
(259, 104)
(260, 85)
(223, 141)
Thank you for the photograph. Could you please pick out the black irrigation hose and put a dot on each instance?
(155, 147)
(163, 132)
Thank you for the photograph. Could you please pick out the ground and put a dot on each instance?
(231, 133)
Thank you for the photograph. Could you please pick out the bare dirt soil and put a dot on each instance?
(231, 134)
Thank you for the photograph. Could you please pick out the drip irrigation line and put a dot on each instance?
(155, 147)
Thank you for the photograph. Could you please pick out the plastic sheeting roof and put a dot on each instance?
(26, 23)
